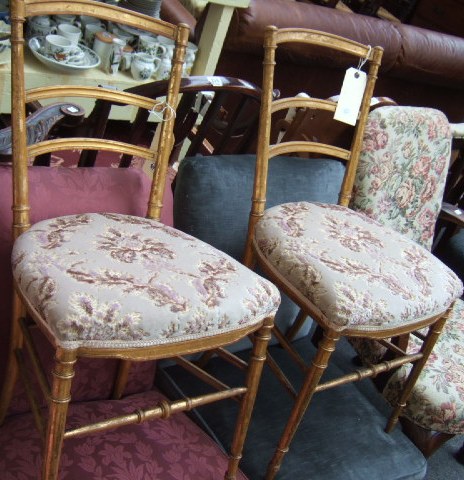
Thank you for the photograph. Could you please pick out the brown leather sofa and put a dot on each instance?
(420, 67)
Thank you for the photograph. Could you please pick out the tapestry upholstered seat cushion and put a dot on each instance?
(112, 280)
(360, 274)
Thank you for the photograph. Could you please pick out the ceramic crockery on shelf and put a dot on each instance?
(168, 44)
(90, 60)
(40, 26)
(190, 55)
(44, 20)
(162, 73)
(64, 18)
(109, 49)
(134, 31)
(143, 66)
(85, 20)
(128, 38)
(5, 51)
(62, 49)
(150, 44)
(70, 31)
(5, 44)
(90, 30)
(126, 57)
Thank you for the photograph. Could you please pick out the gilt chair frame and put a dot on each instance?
(265, 152)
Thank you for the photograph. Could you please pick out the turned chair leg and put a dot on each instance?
(432, 337)
(63, 374)
(256, 363)
(313, 376)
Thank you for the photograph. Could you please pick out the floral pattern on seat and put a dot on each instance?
(437, 400)
(167, 449)
(360, 274)
(402, 169)
(111, 280)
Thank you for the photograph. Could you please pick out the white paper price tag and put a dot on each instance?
(351, 95)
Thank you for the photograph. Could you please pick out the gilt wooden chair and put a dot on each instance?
(119, 286)
(352, 276)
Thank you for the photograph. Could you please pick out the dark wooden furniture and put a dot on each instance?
(218, 115)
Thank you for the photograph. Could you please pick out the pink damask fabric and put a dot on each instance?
(171, 449)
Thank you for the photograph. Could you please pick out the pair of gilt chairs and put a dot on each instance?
(106, 285)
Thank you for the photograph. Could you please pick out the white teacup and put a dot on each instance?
(168, 44)
(151, 45)
(69, 31)
(40, 26)
(62, 49)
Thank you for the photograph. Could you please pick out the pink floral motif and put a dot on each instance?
(405, 193)
(154, 284)
(418, 149)
(437, 401)
(342, 254)
(375, 140)
(171, 449)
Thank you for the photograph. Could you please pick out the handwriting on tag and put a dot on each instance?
(351, 95)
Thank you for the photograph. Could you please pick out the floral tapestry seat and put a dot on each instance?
(364, 277)
(113, 293)
(196, 296)
(400, 182)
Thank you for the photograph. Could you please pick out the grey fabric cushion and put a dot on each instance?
(341, 435)
(212, 197)
(212, 201)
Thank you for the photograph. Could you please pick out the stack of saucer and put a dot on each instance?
(147, 7)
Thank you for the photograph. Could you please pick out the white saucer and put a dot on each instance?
(91, 59)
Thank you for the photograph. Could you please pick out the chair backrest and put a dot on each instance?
(320, 43)
(403, 168)
(23, 10)
(217, 114)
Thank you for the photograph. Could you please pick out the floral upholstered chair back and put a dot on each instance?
(402, 169)
(401, 178)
